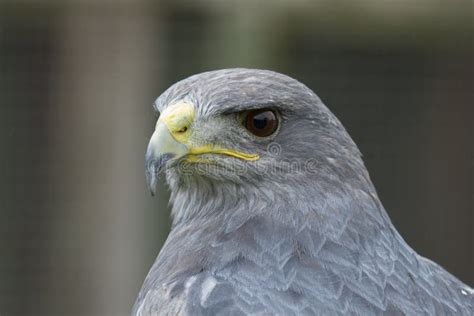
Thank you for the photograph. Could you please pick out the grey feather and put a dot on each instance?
(278, 241)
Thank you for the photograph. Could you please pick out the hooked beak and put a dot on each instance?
(161, 149)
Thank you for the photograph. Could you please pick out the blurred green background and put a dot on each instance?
(78, 228)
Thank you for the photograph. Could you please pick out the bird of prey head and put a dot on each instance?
(274, 211)
(248, 130)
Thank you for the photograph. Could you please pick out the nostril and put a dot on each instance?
(182, 130)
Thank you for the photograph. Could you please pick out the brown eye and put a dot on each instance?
(261, 123)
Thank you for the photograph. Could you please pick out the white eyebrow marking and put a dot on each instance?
(207, 287)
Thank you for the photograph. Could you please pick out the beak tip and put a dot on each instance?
(161, 148)
(152, 168)
(151, 179)
(152, 187)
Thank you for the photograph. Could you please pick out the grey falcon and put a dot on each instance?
(274, 212)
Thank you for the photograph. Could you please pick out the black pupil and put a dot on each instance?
(260, 121)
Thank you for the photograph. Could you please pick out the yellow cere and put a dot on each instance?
(178, 118)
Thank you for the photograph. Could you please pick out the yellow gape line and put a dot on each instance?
(209, 149)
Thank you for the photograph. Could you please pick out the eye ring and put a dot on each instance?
(261, 122)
